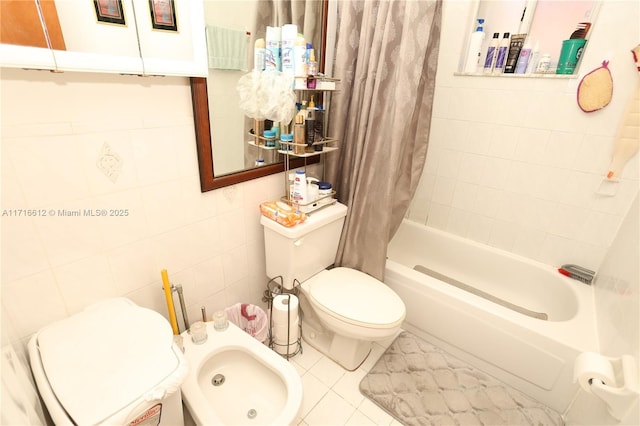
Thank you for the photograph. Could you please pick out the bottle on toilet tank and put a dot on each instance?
(300, 187)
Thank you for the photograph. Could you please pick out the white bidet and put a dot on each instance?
(236, 380)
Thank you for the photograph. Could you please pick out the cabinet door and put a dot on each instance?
(172, 37)
(23, 39)
(100, 35)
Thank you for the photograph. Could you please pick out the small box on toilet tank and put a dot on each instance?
(301, 251)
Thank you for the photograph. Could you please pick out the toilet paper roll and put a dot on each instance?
(285, 311)
(589, 366)
(280, 334)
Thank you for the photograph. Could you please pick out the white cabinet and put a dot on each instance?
(117, 36)
(166, 51)
(110, 45)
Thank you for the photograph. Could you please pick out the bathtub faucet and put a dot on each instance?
(577, 273)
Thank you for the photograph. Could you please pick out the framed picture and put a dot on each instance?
(109, 11)
(163, 15)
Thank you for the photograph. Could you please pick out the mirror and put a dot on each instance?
(222, 130)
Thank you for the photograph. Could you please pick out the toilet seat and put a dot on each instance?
(107, 363)
(356, 298)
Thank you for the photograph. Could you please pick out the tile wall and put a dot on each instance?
(514, 163)
(54, 130)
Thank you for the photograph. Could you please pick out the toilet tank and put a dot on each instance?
(303, 250)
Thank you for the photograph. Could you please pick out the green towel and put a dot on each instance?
(227, 48)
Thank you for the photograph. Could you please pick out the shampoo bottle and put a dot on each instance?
(492, 51)
(474, 52)
(501, 57)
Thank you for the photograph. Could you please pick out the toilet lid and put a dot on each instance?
(106, 357)
(357, 298)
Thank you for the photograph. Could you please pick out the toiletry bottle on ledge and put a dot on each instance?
(533, 59)
(517, 41)
(501, 57)
(523, 58)
(492, 52)
(475, 46)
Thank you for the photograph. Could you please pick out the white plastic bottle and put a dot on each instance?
(300, 187)
(289, 35)
(258, 55)
(475, 46)
(300, 56)
(492, 53)
(533, 60)
(501, 58)
(273, 59)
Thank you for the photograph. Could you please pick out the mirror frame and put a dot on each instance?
(208, 180)
(200, 102)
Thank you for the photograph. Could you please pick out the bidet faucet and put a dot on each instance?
(577, 272)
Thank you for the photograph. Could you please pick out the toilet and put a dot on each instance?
(344, 310)
(112, 363)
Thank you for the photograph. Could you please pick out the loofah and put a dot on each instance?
(595, 89)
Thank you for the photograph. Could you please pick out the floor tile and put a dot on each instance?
(327, 371)
(313, 391)
(330, 410)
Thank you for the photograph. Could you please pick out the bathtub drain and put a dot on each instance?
(217, 380)
(252, 414)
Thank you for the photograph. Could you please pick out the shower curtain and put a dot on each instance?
(386, 58)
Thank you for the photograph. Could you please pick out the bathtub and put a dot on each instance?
(527, 329)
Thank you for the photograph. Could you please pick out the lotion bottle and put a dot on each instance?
(475, 45)
(300, 187)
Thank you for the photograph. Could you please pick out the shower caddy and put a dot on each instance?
(324, 86)
(304, 87)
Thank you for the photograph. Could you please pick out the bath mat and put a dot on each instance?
(420, 384)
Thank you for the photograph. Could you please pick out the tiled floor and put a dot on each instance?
(332, 395)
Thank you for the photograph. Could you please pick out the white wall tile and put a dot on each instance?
(163, 206)
(23, 252)
(42, 168)
(85, 282)
(132, 267)
(32, 313)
